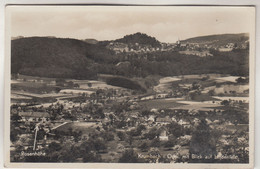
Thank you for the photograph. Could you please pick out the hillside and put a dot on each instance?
(71, 58)
(55, 57)
(140, 38)
(219, 39)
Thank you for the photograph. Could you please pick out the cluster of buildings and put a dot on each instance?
(231, 46)
(131, 48)
(99, 108)
(197, 49)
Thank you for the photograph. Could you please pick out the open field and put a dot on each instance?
(94, 84)
(198, 105)
(231, 89)
(84, 127)
(76, 91)
(27, 94)
(165, 84)
(227, 79)
(244, 99)
(160, 104)
(18, 96)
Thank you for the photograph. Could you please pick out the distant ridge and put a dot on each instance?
(16, 37)
(219, 39)
(91, 41)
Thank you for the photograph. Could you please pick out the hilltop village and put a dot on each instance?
(184, 47)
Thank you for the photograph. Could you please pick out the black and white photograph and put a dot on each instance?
(130, 84)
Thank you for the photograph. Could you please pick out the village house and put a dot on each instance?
(150, 120)
(52, 83)
(184, 140)
(174, 119)
(163, 120)
(208, 121)
(196, 121)
(184, 123)
(227, 48)
(34, 116)
(163, 135)
(131, 121)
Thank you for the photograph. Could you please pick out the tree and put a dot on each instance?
(14, 134)
(130, 139)
(107, 136)
(68, 151)
(242, 80)
(15, 117)
(175, 129)
(202, 142)
(89, 84)
(68, 155)
(225, 102)
(192, 95)
(129, 156)
(76, 85)
(211, 92)
(109, 94)
(145, 113)
(205, 78)
(137, 131)
(70, 84)
(144, 146)
(60, 82)
(152, 134)
(121, 135)
(155, 142)
(57, 89)
(140, 128)
(94, 144)
(195, 85)
(121, 124)
(92, 157)
(53, 146)
(77, 135)
(41, 133)
(170, 143)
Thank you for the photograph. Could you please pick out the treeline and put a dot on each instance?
(174, 63)
(126, 83)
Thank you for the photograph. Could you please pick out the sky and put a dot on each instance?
(165, 23)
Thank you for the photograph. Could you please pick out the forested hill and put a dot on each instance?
(56, 57)
(221, 39)
(139, 38)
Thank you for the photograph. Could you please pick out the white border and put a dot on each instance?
(151, 2)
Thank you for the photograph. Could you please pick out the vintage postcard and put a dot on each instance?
(129, 86)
